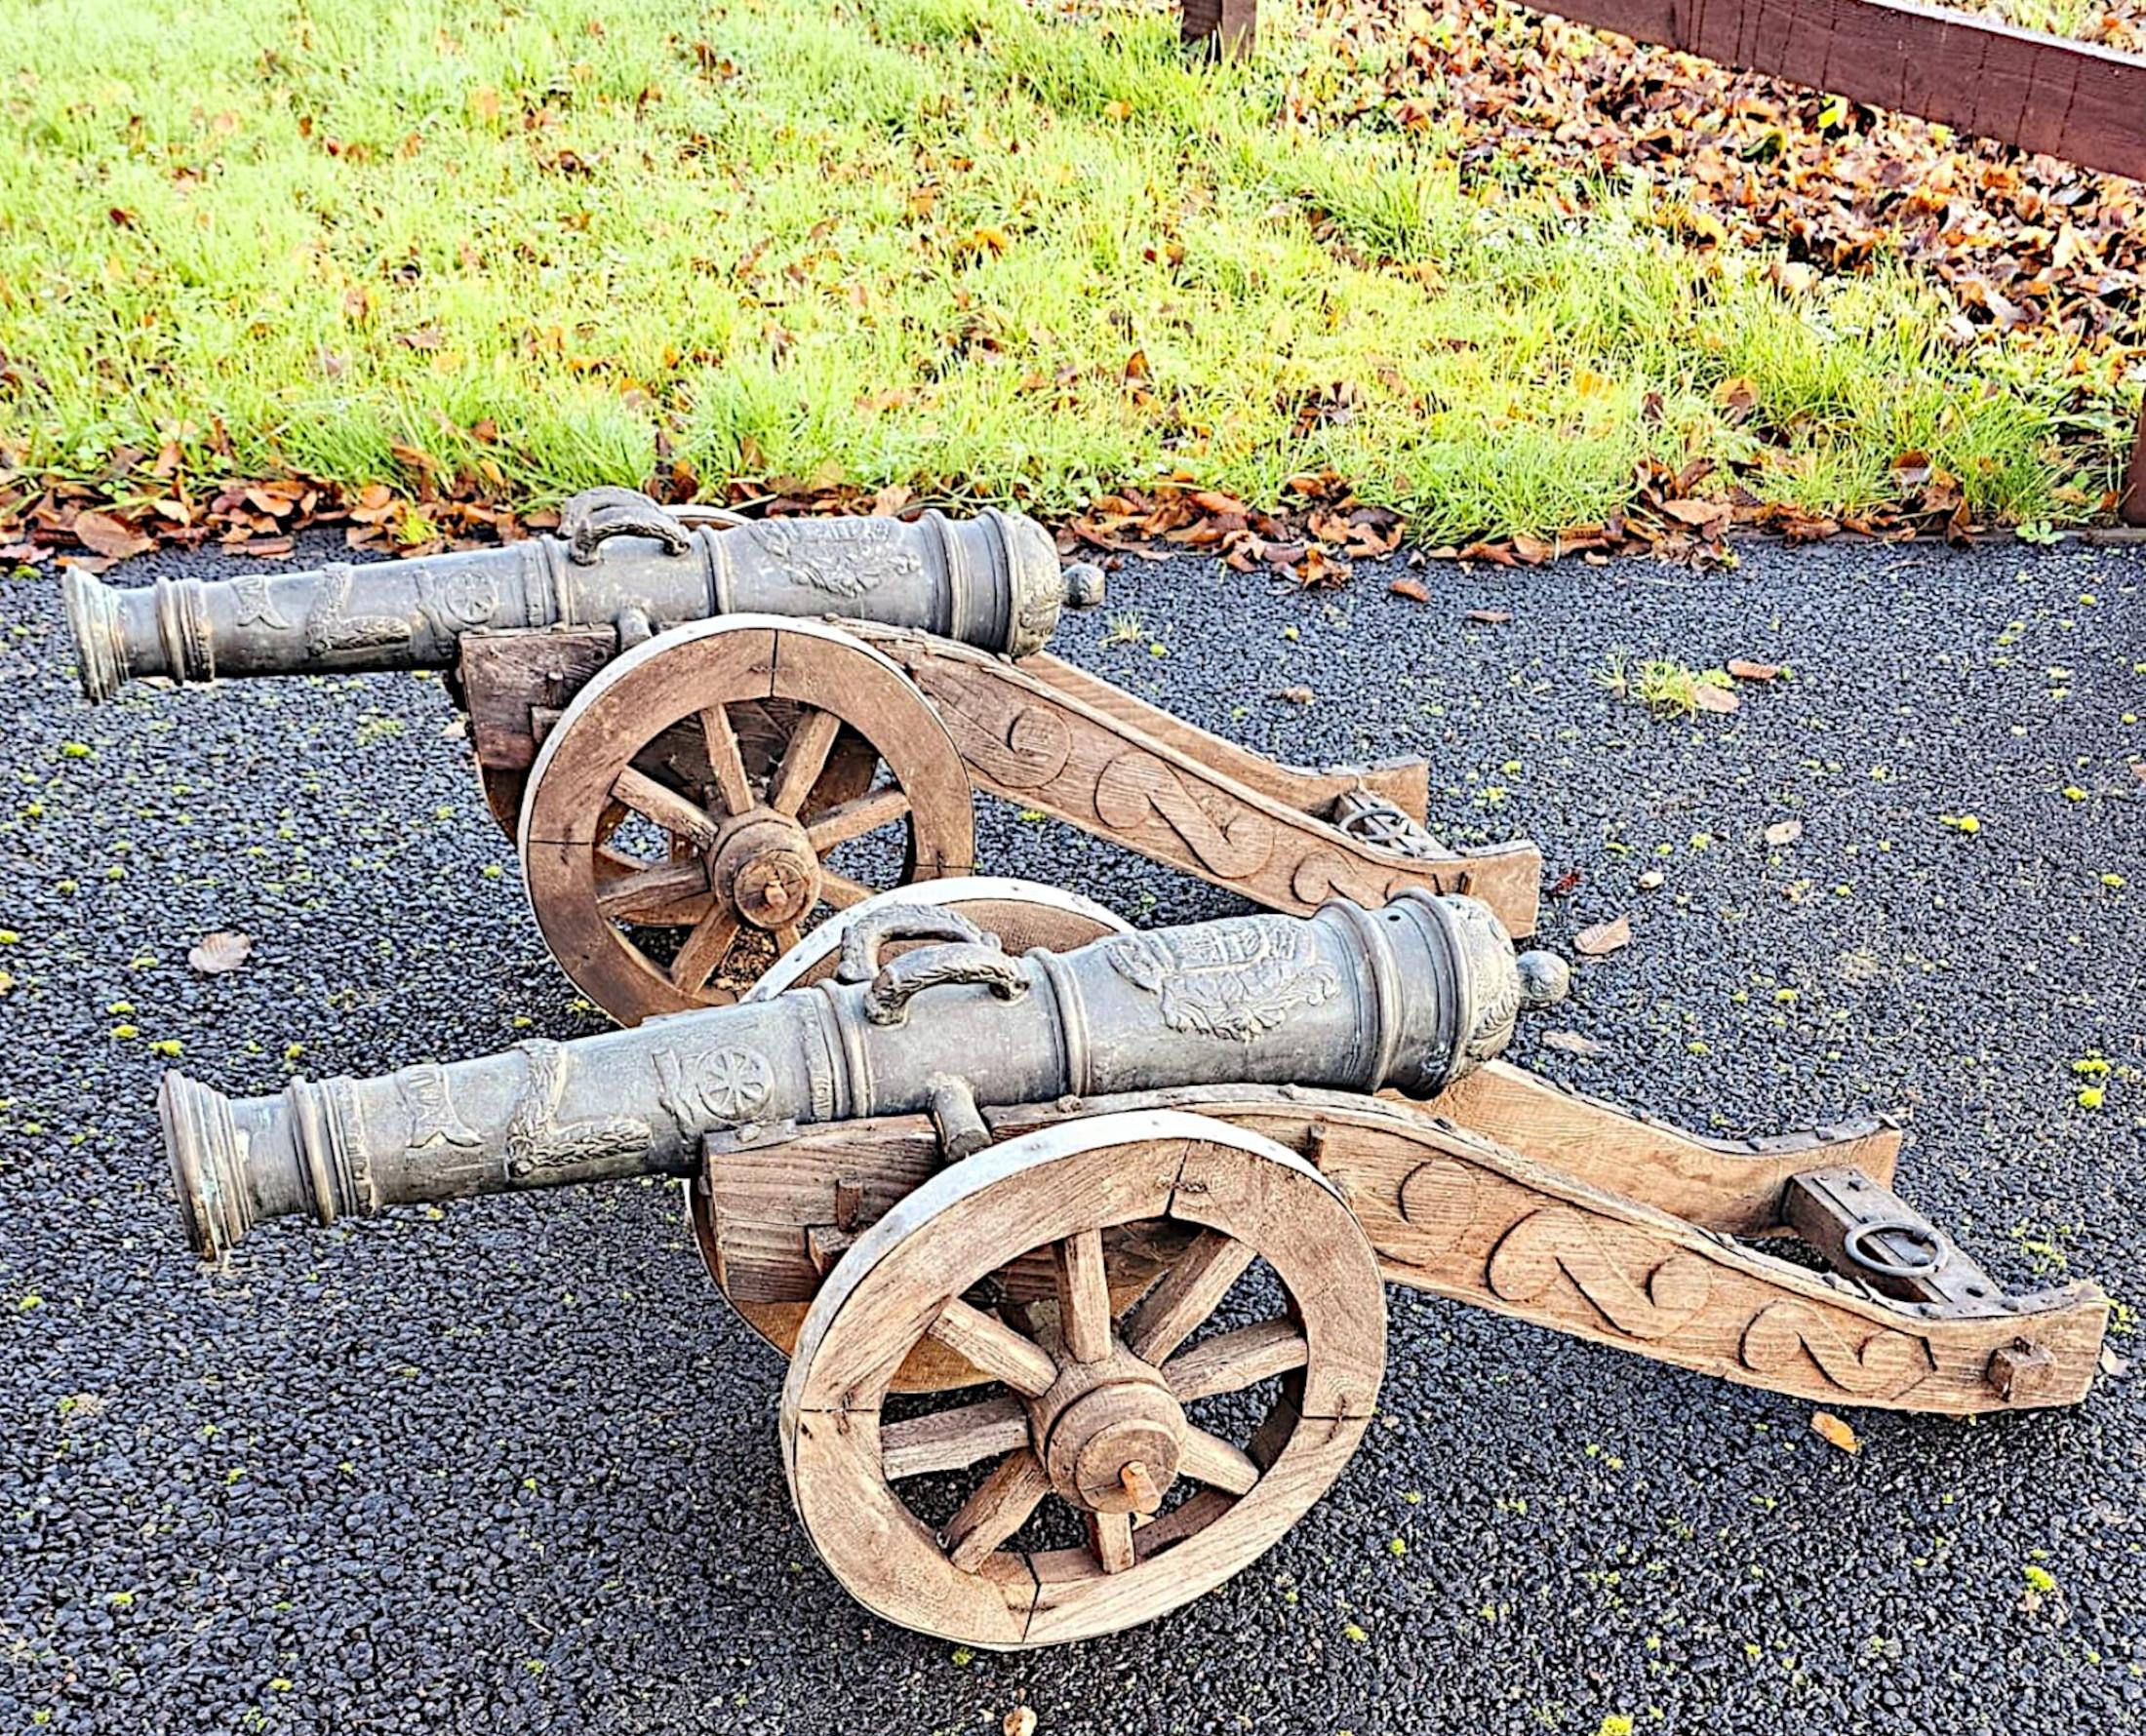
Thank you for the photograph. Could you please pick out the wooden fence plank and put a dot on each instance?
(1229, 26)
(2070, 99)
(2133, 510)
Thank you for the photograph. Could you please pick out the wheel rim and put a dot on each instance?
(712, 792)
(1104, 1416)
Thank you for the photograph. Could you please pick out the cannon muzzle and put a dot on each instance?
(621, 561)
(1412, 997)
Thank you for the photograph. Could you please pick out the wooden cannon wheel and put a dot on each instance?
(1098, 1416)
(1023, 915)
(710, 792)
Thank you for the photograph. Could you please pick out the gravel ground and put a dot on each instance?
(515, 1469)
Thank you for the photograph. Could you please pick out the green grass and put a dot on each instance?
(899, 241)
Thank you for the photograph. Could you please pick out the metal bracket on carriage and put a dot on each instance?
(1370, 818)
(1049, 736)
(1602, 1241)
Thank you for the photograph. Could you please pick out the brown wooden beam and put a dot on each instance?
(2070, 99)
(1226, 27)
(2132, 509)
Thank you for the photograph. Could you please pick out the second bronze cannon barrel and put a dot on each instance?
(1411, 996)
(622, 561)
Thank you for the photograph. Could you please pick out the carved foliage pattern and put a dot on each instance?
(1025, 746)
(330, 627)
(840, 557)
(537, 1140)
(1234, 979)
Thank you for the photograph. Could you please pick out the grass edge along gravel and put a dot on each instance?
(968, 247)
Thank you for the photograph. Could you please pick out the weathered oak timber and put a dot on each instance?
(1404, 783)
(1730, 1185)
(1461, 1215)
(697, 732)
(1036, 740)
(1227, 26)
(753, 748)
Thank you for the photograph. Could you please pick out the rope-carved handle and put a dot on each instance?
(902, 979)
(868, 932)
(593, 517)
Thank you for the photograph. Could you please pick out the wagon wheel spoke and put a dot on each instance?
(1212, 1460)
(840, 891)
(787, 936)
(998, 1509)
(803, 760)
(853, 819)
(995, 1347)
(641, 894)
(953, 1439)
(1230, 1361)
(705, 948)
(664, 806)
(1191, 1290)
(1110, 1540)
(1083, 1296)
(725, 760)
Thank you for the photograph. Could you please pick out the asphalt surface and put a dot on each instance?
(514, 1468)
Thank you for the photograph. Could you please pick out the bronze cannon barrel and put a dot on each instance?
(992, 581)
(1411, 996)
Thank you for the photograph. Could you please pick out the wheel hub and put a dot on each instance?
(1111, 1445)
(767, 866)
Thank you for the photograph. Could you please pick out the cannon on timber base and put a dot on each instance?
(1151, 1188)
(695, 768)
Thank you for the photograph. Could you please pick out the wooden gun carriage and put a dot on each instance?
(694, 767)
(1150, 1189)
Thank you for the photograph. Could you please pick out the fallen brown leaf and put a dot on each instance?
(1784, 831)
(1296, 696)
(1565, 883)
(114, 539)
(1604, 938)
(1744, 669)
(1702, 515)
(1411, 588)
(221, 953)
(1490, 617)
(1708, 698)
(1572, 1043)
(1021, 1721)
(1829, 1427)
